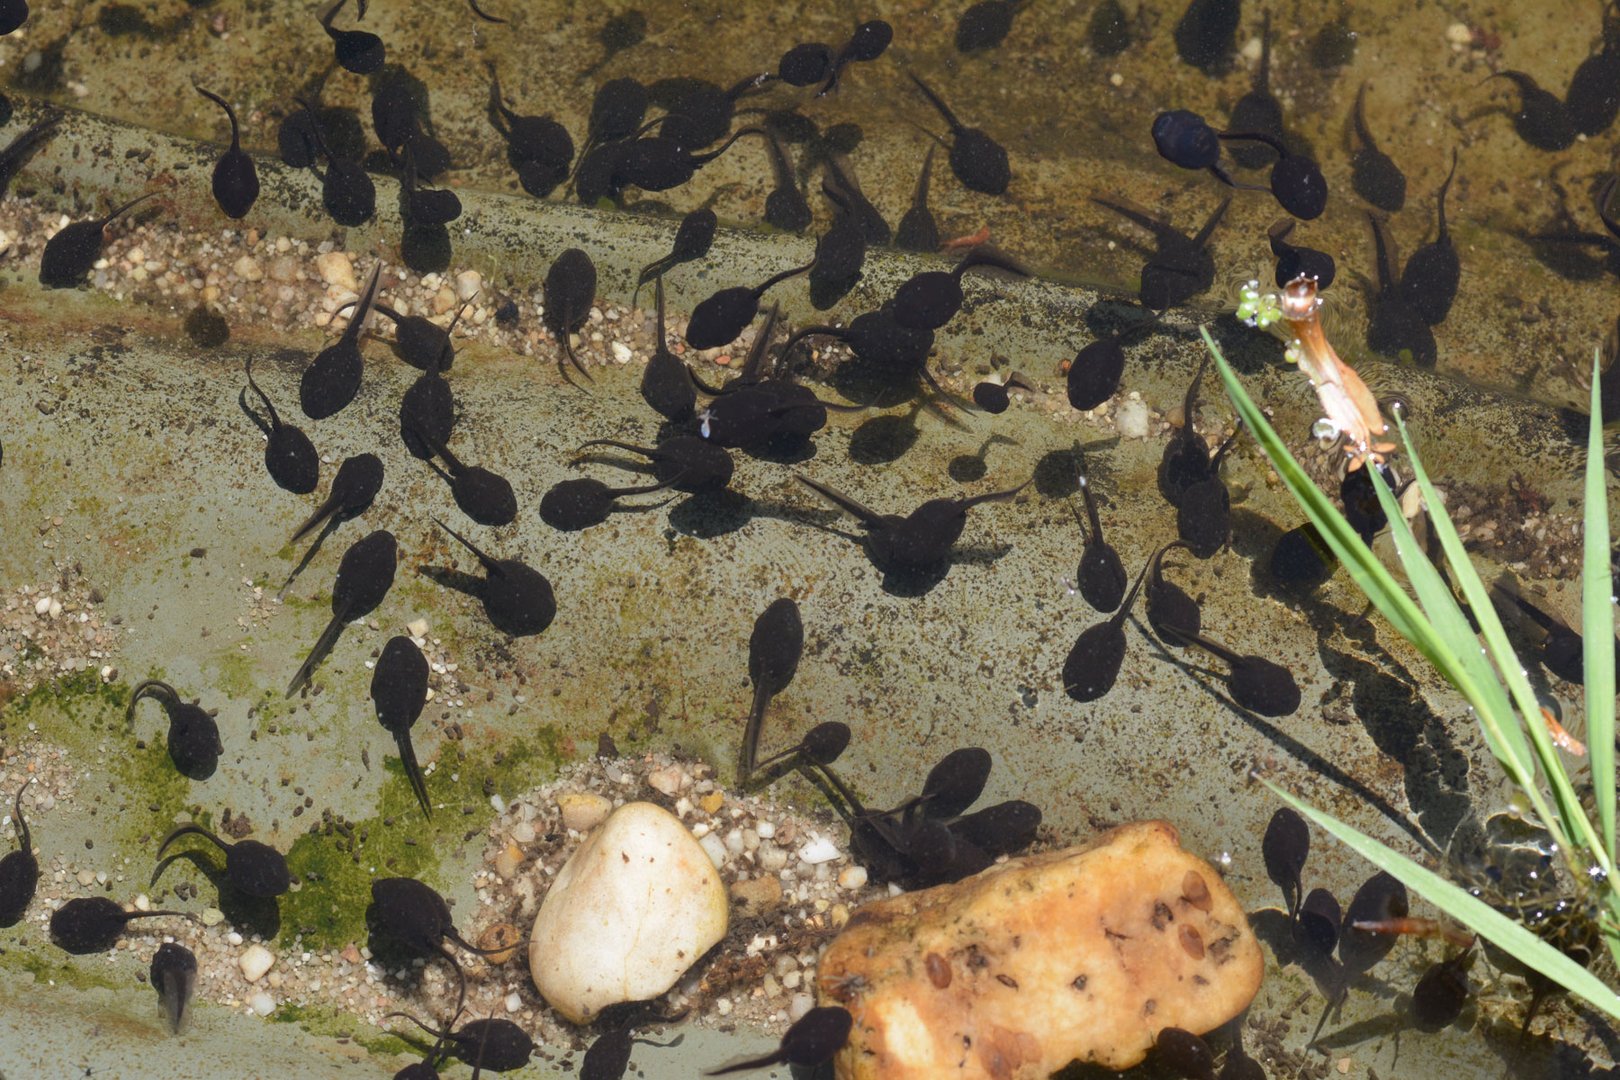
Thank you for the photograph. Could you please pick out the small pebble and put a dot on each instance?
(262, 1003)
(337, 270)
(255, 962)
(819, 850)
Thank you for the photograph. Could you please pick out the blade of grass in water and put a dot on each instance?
(1505, 933)
(1597, 621)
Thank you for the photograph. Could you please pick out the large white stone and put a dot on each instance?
(628, 914)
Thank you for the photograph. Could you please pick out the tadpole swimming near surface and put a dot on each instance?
(666, 382)
(253, 868)
(91, 924)
(1101, 576)
(1092, 666)
(978, 161)
(289, 457)
(1373, 173)
(399, 686)
(359, 51)
(193, 740)
(19, 870)
(236, 181)
(1187, 141)
(811, 1040)
(1394, 326)
(364, 576)
(867, 43)
(992, 397)
(1295, 261)
(174, 976)
(693, 237)
(571, 505)
(355, 486)
(483, 495)
(774, 648)
(517, 598)
(71, 254)
(1284, 849)
(332, 379)
(570, 290)
(1255, 683)
(916, 541)
(1429, 278)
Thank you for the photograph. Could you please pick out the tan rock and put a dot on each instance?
(1082, 954)
(583, 811)
(337, 270)
(504, 938)
(757, 896)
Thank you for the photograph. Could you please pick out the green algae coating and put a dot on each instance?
(336, 865)
(322, 1020)
(58, 967)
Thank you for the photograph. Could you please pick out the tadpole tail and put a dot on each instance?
(760, 1062)
(323, 645)
(309, 556)
(184, 830)
(327, 508)
(154, 686)
(413, 771)
(864, 514)
(750, 740)
(176, 992)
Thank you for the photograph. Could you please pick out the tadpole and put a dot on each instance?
(1092, 666)
(774, 648)
(289, 455)
(174, 977)
(19, 870)
(193, 739)
(1101, 576)
(517, 598)
(92, 924)
(255, 869)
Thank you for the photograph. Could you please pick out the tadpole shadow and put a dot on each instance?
(1296, 749)
(1274, 928)
(714, 514)
(967, 468)
(255, 914)
(884, 439)
(460, 581)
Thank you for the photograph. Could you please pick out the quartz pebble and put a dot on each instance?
(628, 913)
(583, 811)
(469, 283)
(1132, 419)
(255, 962)
(337, 270)
(819, 850)
(262, 1003)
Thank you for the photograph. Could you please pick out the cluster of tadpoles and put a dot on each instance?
(929, 839)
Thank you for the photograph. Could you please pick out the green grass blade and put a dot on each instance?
(1576, 827)
(1505, 933)
(1475, 679)
(1597, 621)
(1369, 574)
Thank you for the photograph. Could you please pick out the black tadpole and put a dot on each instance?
(1205, 31)
(483, 495)
(289, 457)
(687, 463)
(1442, 991)
(1184, 1053)
(1257, 684)
(1258, 110)
(1101, 576)
(985, 25)
(919, 540)
(1181, 266)
(332, 379)
(718, 319)
(1542, 120)
(347, 192)
(1373, 173)
(1297, 182)
(1294, 261)
(570, 290)
(1092, 666)
(774, 648)
(356, 484)
(666, 382)
(496, 1044)
(359, 51)
(13, 13)
(931, 298)
(539, 148)
(1429, 279)
(417, 919)
(19, 870)
(1284, 848)
(1169, 609)
(399, 686)
(786, 208)
(1096, 370)
(236, 181)
(193, 739)
(1394, 326)
(365, 574)
(92, 924)
(254, 869)
(869, 41)
(517, 598)
(693, 236)
(812, 1040)
(1186, 140)
(577, 504)
(71, 254)
(978, 161)
(419, 341)
(174, 976)
(992, 396)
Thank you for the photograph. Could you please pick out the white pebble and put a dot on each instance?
(621, 352)
(255, 961)
(801, 1004)
(513, 1002)
(852, 877)
(1132, 419)
(262, 1003)
(468, 285)
(766, 829)
(498, 803)
(772, 858)
(42, 605)
(819, 850)
(143, 903)
(337, 270)
(715, 847)
(523, 832)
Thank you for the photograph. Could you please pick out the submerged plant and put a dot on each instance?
(1489, 677)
